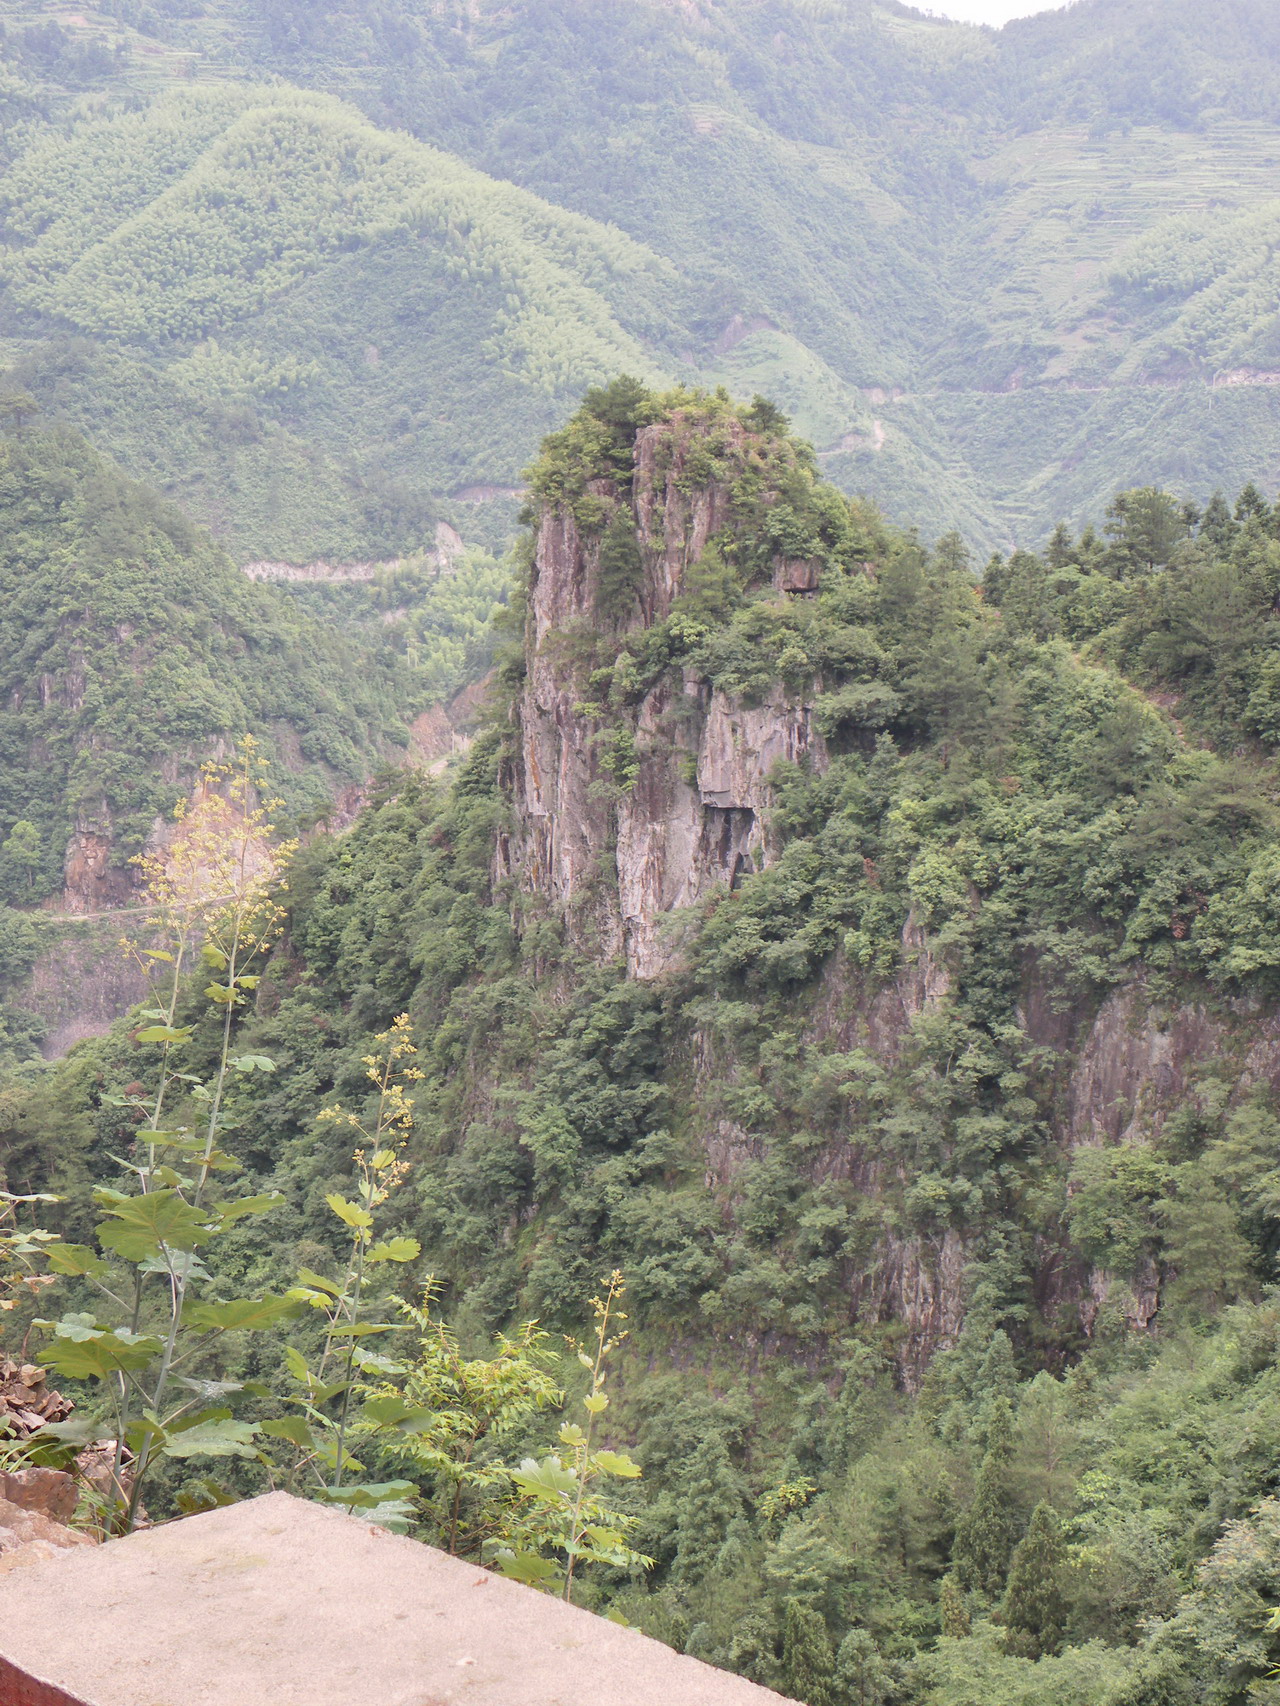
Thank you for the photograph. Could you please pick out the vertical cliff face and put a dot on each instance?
(631, 812)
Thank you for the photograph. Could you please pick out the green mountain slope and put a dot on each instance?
(132, 649)
(941, 1156)
(992, 276)
(320, 318)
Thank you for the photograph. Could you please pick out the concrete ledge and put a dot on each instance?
(278, 1600)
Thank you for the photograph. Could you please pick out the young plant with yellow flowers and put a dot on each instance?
(212, 889)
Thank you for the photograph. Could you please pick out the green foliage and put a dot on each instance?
(565, 1509)
(807, 1664)
(842, 1114)
(212, 889)
(986, 1534)
(1033, 1608)
(447, 1416)
(132, 646)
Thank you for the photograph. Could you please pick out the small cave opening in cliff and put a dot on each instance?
(726, 841)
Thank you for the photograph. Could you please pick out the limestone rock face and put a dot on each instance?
(618, 847)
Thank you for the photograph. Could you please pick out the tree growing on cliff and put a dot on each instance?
(710, 1500)
(988, 1530)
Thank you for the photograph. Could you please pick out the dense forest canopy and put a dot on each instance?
(1049, 810)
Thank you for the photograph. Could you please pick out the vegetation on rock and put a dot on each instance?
(952, 1360)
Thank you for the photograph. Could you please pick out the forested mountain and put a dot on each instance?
(853, 965)
(880, 973)
(993, 276)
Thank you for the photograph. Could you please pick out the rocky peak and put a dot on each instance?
(640, 797)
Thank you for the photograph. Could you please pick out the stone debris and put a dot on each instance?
(48, 1492)
(96, 1467)
(26, 1400)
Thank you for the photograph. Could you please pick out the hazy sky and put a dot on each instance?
(988, 11)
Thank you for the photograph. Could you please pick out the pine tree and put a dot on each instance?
(862, 1677)
(1061, 549)
(807, 1664)
(997, 1376)
(710, 1500)
(953, 1613)
(1033, 1609)
(986, 1533)
(1217, 525)
(1252, 503)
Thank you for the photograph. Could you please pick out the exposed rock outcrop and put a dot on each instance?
(627, 816)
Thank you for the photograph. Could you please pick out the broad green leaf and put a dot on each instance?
(179, 1262)
(72, 1326)
(349, 1212)
(363, 1329)
(100, 1356)
(371, 1362)
(163, 1034)
(253, 1063)
(224, 994)
(213, 957)
(142, 1226)
(78, 1430)
(240, 1313)
(528, 1568)
(615, 1463)
(295, 1363)
(395, 1514)
(392, 1411)
(595, 1402)
(548, 1480)
(211, 1389)
(292, 1428)
(572, 1434)
(214, 1439)
(157, 954)
(74, 1259)
(395, 1250)
(310, 1278)
(314, 1299)
(243, 1206)
(368, 1493)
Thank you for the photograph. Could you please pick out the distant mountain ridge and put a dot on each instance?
(993, 276)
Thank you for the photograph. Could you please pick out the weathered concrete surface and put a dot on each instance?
(276, 1600)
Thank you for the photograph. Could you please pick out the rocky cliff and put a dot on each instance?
(629, 813)
(651, 733)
